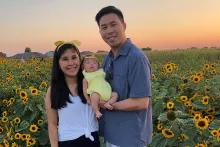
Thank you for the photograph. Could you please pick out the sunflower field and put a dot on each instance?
(185, 89)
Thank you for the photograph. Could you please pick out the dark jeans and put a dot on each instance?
(82, 142)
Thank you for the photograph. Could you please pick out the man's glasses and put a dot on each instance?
(109, 71)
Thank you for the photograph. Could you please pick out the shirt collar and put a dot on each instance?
(123, 50)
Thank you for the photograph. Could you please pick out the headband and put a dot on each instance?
(73, 42)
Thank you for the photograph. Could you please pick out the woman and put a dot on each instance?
(65, 103)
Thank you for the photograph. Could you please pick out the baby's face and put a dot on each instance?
(90, 65)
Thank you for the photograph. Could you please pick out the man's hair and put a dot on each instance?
(108, 10)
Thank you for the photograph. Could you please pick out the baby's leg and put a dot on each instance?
(95, 97)
(112, 100)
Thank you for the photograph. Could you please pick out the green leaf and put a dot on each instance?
(43, 137)
(214, 124)
(163, 117)
(180, 114)
(33, 115)
(24, 124)
(199, 105)
(172, 141)
(156, 140)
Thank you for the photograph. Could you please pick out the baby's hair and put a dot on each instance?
(89, 57)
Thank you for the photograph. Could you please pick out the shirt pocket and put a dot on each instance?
(119, 85)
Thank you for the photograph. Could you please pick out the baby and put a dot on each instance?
(95, 85)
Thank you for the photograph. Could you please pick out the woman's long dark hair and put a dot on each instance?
(59, 89)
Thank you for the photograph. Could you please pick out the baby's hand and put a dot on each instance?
(89, 101)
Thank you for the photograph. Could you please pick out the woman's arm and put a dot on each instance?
(85, 86)
(52, 120)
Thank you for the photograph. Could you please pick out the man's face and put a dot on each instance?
(112, 30)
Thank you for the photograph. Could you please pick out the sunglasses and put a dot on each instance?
(109, 71)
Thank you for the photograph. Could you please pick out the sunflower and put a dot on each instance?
(153, 76)
(207, 90)
(28, 143)
(14, 144)
(197, 117)
(28, 74)
(159, 126)
(195, 79)
(23, 94)
(37, 68)
(17, 136)
(206, 66)
(211, 118)
(34, 91)
(23, 137)
(184, 137)
(170, 105)
(200, 145)
(40, 121)
(32, 141)
(167, 65)
(200, 74)
(4, 101)
(4, 114)
(9, 136)
(187, 104)
(1, 129)
(205, 100)
(202, 124)
(24, 101)
(17, 120)
(17, 90)
(167, 133)
(214, 132)
(184, 98)
(210, 111)
(170, 69)
(5, 142)
(213, 72)
(33, 128)
(4, 119)
(191, 100)
(218, 138)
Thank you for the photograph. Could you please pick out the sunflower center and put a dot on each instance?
(201, 123)
(22, 94)
(33, 128)
(34, 91)
(196, 79)
(210, 111)
(205, 100)
(168, 132)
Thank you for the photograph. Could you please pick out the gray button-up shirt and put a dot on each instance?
(131, 72)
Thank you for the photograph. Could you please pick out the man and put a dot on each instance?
(128, 71)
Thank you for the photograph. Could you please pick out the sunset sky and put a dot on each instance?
(159, 24)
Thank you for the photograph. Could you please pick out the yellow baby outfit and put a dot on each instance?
(97, 83)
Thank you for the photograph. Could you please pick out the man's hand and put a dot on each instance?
(101, 104)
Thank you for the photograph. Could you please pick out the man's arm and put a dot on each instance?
(139, 80)
(132, 104)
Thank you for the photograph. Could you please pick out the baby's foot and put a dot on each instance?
(98, 114)
(108, 106)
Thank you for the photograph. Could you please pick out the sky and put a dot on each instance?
(159, 24)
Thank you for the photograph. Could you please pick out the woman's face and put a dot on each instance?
(69, 63)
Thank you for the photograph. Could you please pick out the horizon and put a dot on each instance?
(159, 25)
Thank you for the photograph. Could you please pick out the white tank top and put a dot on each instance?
(76, 119)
